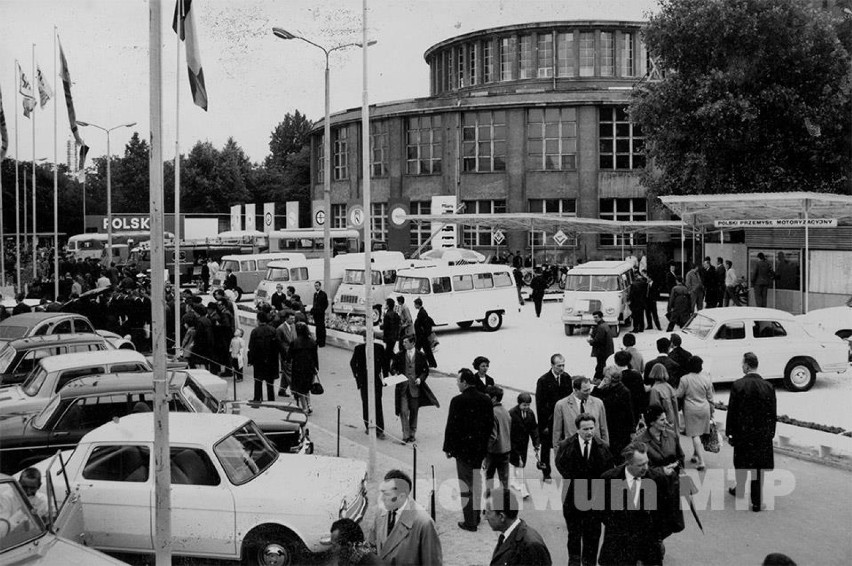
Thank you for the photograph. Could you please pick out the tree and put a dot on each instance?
(755, 97)
(287, 139)
(130, 178)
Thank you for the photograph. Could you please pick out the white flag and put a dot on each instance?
(45, 93)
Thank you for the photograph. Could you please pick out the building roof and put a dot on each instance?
(550, 223)
(184, 428)
(705, 209)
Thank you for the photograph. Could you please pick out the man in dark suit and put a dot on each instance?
(601, 340)
(391, 327)
(680, 356)
(278, 297)
(230, 282)
(637, 297)
(318, 308)
(21, 307)
(538, 286)
(618, 406)
(663, 345)
(632, 380)
(750, 428)
(358, 363)
(422, 329)
(518, 543)
(286, 334)
(581, 458)
(469, 424)
(762, 276)
(413, 393)
(634, 500)
(549, 389)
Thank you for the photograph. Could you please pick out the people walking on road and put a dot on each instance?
(500, 442)
(286, 334)
(762, 276)
(637, 297)
(391, 326)
(480, 366)
(538, 285)
(263, 356)
(752, 415)
(637, 362)
(549, 389)
(466, 436)
(406, 323)
(696, 390)
(620, 423)
(423, 325)
(695, 286)
(358, 364)
(582, 458)
(523, 429)
(304, 366)
(237, 351)
(711, 284)
(680, 306)
(652, 318)
(681, 357)
(632, 380)
(412, 393)
(403, 532)
(518, 543)
(600, 339)
(721, 274)
(731, 284)
(663, 347)
(663, 395)
(580, 401)
(318, 308)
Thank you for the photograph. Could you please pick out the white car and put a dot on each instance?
(785, 348)
(233, 496)
(834, 320)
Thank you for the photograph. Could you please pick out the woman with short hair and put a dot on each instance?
(696, 389)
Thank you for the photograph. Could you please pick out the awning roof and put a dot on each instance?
(705, 209)
(550, 223)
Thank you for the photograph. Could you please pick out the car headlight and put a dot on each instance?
(610, 310)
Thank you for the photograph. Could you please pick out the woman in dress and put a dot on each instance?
(665, 454)
(663, 394)
(697, 391)
(480, 366)
(305, 365)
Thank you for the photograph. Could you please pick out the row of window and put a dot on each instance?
(548, 54)
(551, 143)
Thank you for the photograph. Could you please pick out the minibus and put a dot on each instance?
(349, 298)
(249, 269)
(301, 274)
(596, 286)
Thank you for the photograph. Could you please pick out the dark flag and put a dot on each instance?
(69, 102)
(184, 25)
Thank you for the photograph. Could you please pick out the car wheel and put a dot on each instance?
(569, 330)
(465, 324)
(493, 321)
(799, 375)
(272, 547)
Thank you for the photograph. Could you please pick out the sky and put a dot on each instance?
(253, 78)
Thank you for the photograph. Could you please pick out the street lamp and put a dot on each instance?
(326, 225)
(109, 181)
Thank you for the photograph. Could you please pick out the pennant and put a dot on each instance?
(4, 134)
(45, 93)
(26, 90)
(184, 25)
(65, 75)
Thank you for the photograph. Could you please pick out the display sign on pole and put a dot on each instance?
(268, 217)
(447, 237)
(236, 217)
(777, 223)
(292, 214)
(318, 213)
(251, 213)
(356, 216)
(560, 238)
(498, 236)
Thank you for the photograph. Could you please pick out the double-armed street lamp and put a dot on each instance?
(326, 225)
(109, 181)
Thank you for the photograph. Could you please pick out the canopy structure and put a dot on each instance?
(549, 223)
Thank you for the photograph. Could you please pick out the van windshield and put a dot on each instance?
(231, 264)
(356, 277)
(605, 282)
(412, 285)
(277, 274)
(577, 283)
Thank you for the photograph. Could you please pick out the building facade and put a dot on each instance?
(523, 118)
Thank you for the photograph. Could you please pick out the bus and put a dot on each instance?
(310, 241)
(92, 245)
(460, 294)
(349, 298)
(301, 274)
(249, 269)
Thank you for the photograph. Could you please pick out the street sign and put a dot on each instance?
(398, 216)
(560, 238)
(777, 223)
(356, 216)
(320, 217)
(498, 236)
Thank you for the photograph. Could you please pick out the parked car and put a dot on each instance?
(785, 348)
(233, 496)
(47, 323)
(26, 539)
(596, 286)
(94, 400)
(53, 373)
(19, 357)
(835, 320)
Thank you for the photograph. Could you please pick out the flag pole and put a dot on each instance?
(177, 183)
(55, 184)
(17, 186)
(35, 230)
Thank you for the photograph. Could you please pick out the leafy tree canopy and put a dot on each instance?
(755, 98)
(287, 138)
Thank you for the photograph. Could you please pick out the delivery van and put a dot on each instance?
(249, 269)
(596, 286)
(349, 298)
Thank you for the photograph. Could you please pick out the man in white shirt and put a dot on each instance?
(730, 283)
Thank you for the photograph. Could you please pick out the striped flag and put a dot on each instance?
(4, 134)
(45, 93)
(184, 26)
(26, 90)
(69, 102)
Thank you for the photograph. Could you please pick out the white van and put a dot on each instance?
(249, 269)
(349, 298)
(596, 286)
(460, 294)
(301, 274)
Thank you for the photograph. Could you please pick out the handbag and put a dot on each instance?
(711, 440)
(640, 428)
(316, 386)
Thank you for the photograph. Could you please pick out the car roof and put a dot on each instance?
(34, 342)
(727, 313)
(78, 359)
(118, 383)
(184, 428)
(601, 268)
(444, 269)
(32, 318)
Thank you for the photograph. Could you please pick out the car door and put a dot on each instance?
(116, 488)
(724, 357)
(774, 348)
(203, 513)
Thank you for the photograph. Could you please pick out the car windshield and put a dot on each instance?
(245, 454)
(201, 400)
(41, 419)
(34, 381)
(18, 525)
(699, 325)
(10, 332)
(7, 355)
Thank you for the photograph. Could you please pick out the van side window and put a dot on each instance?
(462, 282)
(483, 281)
(441, 285)
(298, 273)
(250, 265)
(503, 279)
(390, 277)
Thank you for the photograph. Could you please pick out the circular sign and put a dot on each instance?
(268, 218)
(319, 217)
(398, 215)
(356, 216)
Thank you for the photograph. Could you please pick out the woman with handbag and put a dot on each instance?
(305, 366)
(697, 391)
